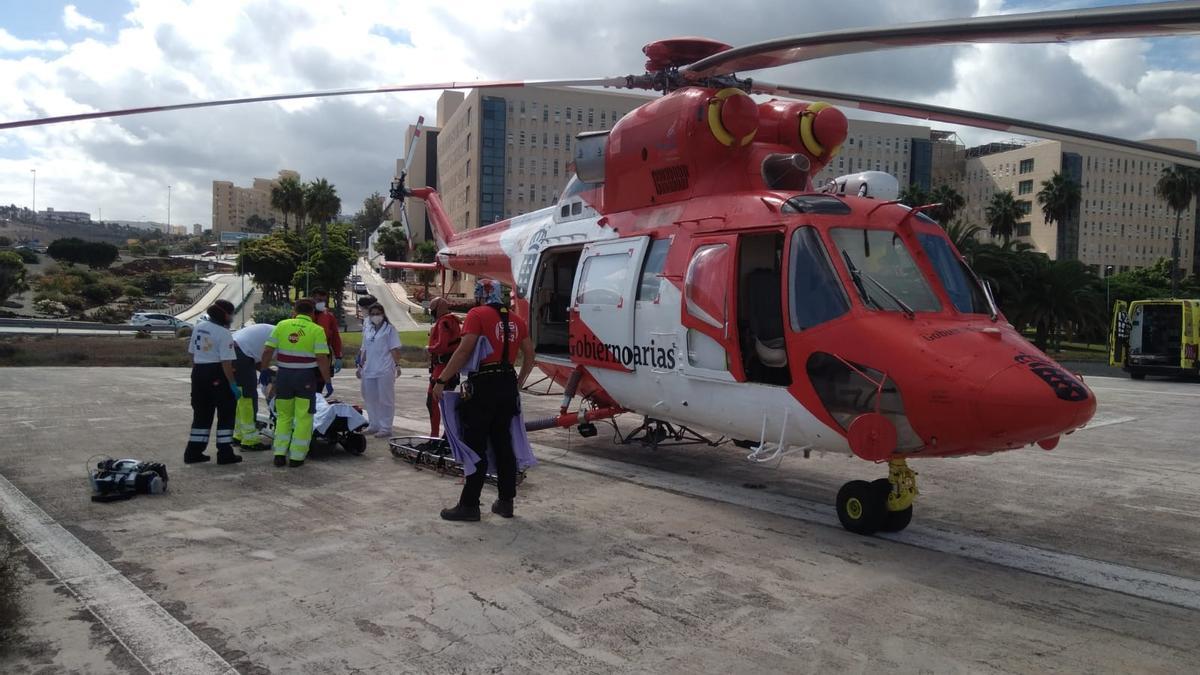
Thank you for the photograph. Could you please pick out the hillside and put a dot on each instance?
(46, 233)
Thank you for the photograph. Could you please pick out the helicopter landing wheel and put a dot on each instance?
(861, 507)
(892, 521)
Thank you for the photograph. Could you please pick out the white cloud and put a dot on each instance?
(73, 19)
(11, 43)
(177, 51)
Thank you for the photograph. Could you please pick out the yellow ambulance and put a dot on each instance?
(1156, 337)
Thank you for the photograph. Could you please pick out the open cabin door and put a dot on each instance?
(708, 307)
(604, 299)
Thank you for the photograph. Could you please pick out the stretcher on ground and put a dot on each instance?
(427, 452)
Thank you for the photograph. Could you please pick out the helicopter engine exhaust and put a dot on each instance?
(782, 171)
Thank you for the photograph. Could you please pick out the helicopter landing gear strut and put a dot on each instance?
(881, 505)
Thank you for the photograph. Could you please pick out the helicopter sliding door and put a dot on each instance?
(604, 299)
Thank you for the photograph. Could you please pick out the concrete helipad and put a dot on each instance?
(1086, 558)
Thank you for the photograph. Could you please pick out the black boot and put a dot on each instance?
(460, 512)
(295, 463)
(229, 458)
(195, 459)
(503, 508)
(280, 460)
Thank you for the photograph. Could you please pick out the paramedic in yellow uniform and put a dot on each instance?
(299, 349)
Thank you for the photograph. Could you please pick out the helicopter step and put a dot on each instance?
(881, 505)
(654, 433)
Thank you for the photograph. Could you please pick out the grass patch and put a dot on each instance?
(86, 350)
(408, 338)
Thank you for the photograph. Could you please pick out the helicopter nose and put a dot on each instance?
(1030, 401)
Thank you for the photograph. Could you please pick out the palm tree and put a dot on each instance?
(963, 235)
(1176, 186)
(914, 195)
(951, 202)
(287, 196)
(322, 205)
(1002, 214)
(1059, 198)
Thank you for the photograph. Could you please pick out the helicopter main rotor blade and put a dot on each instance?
(487, 84)
(980, 120)
(1159, 19)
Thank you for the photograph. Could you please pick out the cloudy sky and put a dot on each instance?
(58, 58)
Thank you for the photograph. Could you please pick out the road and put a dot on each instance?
(229, 287)
(397, 311)
(1083, 559)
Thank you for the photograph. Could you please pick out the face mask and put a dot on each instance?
(377, 320)
(320, 307)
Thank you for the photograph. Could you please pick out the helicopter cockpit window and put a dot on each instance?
(883, 270)
(961, 285)
(816, 295)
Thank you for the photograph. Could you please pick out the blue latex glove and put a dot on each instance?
(328, 389)
(337, 366)
(237, 391)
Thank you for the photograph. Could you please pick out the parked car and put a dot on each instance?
(356, 278)
(156, 320)
(208, 254)
(360, 288)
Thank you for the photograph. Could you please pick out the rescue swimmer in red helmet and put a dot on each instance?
(490, 398)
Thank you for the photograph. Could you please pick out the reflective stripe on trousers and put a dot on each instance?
(293, 427)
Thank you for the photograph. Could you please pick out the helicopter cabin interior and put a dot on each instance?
(760, 308)
(551, 300)
(1157, 333)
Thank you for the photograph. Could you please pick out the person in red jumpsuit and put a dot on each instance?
(443, 340)
(324, 318)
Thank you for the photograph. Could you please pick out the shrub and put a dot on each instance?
(164, 252)
(184, 331)
(27, 256)
(272, 313)
(180, 295)
(96, 294)
(5, 242)
(142, 335)
(73, 303)
(155, 283)
(110, 315)
(51, 307)
(133, 292)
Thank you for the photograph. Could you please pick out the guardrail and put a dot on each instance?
(57, 326)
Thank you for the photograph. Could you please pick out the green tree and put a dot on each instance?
(1059, 198)
(287, 197)
(322, 204)
(5, 242)
(914, 195)
(368, 219)
(272, 261)
(392, 242)
(950, 203)
(1002, 214)
(256, 223)
(12, 275)
(94, 254)
(962, 234)
(426, 251)
(1176, 186)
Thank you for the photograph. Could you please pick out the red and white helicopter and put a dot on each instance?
(692, 273)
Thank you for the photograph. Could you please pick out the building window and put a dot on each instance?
(1026, 207)
(1026, 166)
(522, 109)
(556, 141)
(467, 173)
(1025, 187)
(545, 140)
(545, 114)
(1022, 229)
(522, 141)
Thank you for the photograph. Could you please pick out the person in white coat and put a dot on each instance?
(379, 363)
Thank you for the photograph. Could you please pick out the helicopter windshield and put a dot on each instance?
(884, 273)
(961, 284)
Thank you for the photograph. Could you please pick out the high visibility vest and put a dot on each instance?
(297, 342)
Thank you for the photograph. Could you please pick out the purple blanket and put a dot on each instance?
(461, 451)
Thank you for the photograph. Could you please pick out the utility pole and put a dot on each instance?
(34, 221)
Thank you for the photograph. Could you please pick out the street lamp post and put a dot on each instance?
(168, 209)
(1108, 270)
(34, 221)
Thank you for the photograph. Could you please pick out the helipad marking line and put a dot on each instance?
(1146, 584)
(1103, 421)
(1146, 392)
(157, 640)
